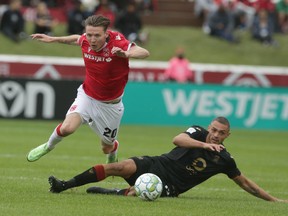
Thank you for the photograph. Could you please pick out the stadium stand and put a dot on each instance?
(172, 12)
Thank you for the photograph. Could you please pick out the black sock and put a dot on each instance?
(122, 192)
(86, 177)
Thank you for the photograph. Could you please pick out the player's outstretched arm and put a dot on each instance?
(185, 141)
(252, 188)
(71, 39)
(135, 51)
(138, 52)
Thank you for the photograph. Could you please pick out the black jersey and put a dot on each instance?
(189, 167)
(183, 168)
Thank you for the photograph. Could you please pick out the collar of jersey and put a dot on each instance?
(102, 47)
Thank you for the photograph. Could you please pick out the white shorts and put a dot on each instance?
(103, 118)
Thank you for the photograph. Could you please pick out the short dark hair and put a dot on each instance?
(95, 21)
(222, 120)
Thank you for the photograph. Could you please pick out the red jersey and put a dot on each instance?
(106, 73)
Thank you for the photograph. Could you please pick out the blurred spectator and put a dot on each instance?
(120, 5)
(49, 3)
(267, 5)
(90, 5)
(108, 10)
(3, 2)
(263, 29)
(178, 69)
(3, 8)
(282, 11)
(221, 24)
(202, 9)
(244, 13)
(44, 22)
(12, 22)
(76, 17)
(144, 6)
(129, 24)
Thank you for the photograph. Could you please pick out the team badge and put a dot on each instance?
(72, 108)
(118, 37)
(106, 52)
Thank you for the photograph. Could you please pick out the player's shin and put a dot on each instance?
(55, 137)
(94, 174)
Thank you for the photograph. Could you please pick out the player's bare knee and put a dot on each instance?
(67, 129)
(106, 148)
(117, 167)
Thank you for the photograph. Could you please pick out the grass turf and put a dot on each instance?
(261, 156)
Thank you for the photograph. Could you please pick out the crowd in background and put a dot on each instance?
(263, 18)
(124, 16)
(223, 19)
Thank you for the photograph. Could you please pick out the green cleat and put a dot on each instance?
(113, 157)
(38, 152)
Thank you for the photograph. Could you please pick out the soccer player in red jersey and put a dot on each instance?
(99, 99)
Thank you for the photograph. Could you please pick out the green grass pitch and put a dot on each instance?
(260, 155)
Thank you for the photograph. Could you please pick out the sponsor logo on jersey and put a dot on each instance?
(97, 58)
(198, 165)
(108, 59)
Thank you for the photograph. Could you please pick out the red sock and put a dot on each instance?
(127, 191)
(115, 146)
(58, 130)
(100, 172)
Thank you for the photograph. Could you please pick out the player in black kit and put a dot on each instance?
(199, 154)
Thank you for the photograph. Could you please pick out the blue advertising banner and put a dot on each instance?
(183, 104)
(154, 103)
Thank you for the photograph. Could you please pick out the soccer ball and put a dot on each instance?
(148, 186)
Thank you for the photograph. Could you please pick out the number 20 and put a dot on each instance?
(110, 133)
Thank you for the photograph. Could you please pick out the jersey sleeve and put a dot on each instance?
(131, 45)
(121, 42)
(232, 171)
(81, 39)
(197, 132)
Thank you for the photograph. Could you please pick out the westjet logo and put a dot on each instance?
(249, 107)
(97, 58)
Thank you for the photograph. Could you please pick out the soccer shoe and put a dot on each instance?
(57, 185)
(113, 156)
(99, 190)
(38, 152)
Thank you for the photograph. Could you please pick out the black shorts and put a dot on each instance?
(155, 165)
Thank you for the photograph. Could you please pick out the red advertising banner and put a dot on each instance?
(143, 71)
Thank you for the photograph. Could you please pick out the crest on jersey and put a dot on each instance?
(72, 108)
(118, 37)
(106, 52)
